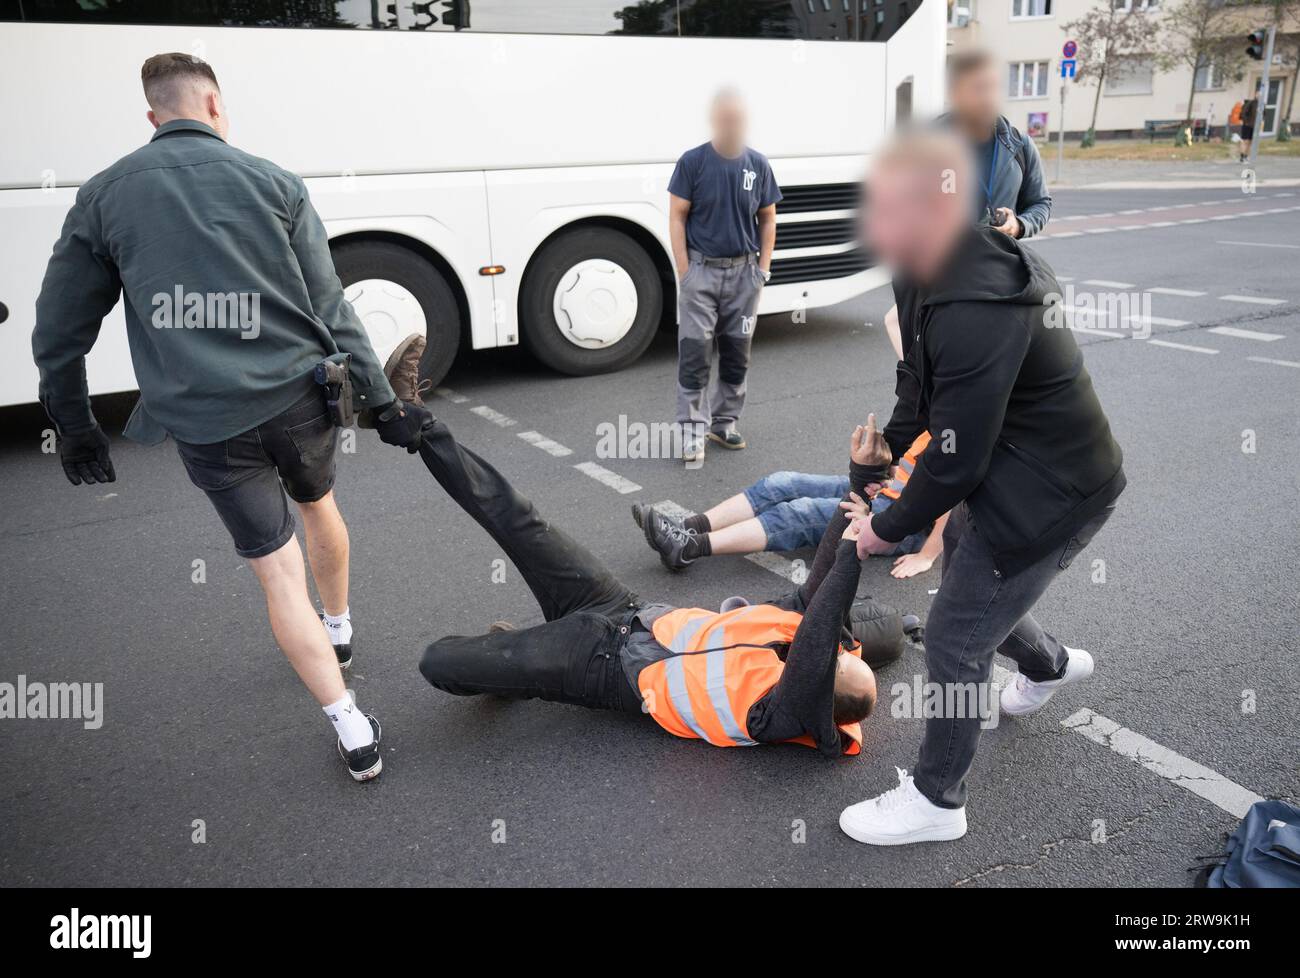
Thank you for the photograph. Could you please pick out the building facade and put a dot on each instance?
(1027, 36)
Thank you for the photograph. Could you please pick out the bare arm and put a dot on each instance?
(766, 236)
(678, 210)
(909, 565)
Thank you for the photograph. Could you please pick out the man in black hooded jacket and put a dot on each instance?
(1020, 451)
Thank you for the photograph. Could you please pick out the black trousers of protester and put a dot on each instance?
(573, 656)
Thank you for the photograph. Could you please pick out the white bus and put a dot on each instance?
(490, 172)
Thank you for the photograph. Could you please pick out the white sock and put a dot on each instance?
(339, 627)
(350, 723)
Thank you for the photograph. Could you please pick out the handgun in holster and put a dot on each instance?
(334, 374)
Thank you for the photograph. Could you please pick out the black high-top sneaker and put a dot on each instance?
(364, 763)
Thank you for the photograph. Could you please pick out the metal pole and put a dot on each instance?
(1060, 134)
(1262, 98)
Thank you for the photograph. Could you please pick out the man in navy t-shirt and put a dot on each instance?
(722, 221)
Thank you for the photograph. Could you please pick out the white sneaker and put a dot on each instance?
(1025, 695)
(900, 816)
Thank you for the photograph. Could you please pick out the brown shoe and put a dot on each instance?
(402, 368)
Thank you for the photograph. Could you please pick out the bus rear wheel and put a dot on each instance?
(591, 302)
(395, 293)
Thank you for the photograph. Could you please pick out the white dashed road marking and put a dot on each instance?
(1182, 346)
(1109, 283)
(536, 438)
(1257, 300)
(1189, 293)
(608, 478)
(1280, 363)
(1245, 334)
(496, 417)
(1182, 771)
(1257, 244)
(446, 393)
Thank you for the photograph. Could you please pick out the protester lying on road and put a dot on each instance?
(784, 511)
(749, 674)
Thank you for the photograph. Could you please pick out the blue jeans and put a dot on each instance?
(794, 509)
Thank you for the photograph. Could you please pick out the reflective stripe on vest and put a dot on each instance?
(906, 466)
(722, 664)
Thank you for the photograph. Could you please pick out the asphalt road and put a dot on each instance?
(1194, 628)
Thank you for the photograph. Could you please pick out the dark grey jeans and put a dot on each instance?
(717, 307)
(975, 614)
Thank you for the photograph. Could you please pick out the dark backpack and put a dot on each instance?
(1263, 852)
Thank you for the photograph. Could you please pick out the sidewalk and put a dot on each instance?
(1270, 171)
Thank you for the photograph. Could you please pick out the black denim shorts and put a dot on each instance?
(243, 475)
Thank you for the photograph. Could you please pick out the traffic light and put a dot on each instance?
(457, 14)
(1256, 49)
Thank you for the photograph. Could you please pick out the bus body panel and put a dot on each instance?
(476, 146)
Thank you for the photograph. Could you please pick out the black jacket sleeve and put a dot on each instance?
(802, 701)
(907, 422)
(975, 351)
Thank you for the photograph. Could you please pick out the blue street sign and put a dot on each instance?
(1067, 67)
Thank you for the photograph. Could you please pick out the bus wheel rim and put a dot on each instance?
(389, 311)
(595, 304)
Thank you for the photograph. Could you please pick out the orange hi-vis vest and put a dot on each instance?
(894, 487)
(722, 664)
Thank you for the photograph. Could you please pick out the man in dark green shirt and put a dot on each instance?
(231, 300)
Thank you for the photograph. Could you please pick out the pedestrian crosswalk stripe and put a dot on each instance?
(1280, 363)
(1246, 334)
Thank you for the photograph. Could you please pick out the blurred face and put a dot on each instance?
(728, 122)
(913, 217)
(976, 99)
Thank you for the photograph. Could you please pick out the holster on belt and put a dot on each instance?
(334, 374)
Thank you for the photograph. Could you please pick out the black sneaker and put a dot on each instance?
(342, 652)
(730, 440)
(364, 763)
(669, 537)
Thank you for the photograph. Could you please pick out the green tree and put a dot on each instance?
(1195, 34)
(1105, 35)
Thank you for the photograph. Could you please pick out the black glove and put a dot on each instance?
(85, 457)
(401, 423)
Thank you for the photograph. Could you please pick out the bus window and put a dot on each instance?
(814, 20)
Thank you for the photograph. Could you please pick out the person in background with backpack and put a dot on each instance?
(1012, 196)
(1249, 109)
